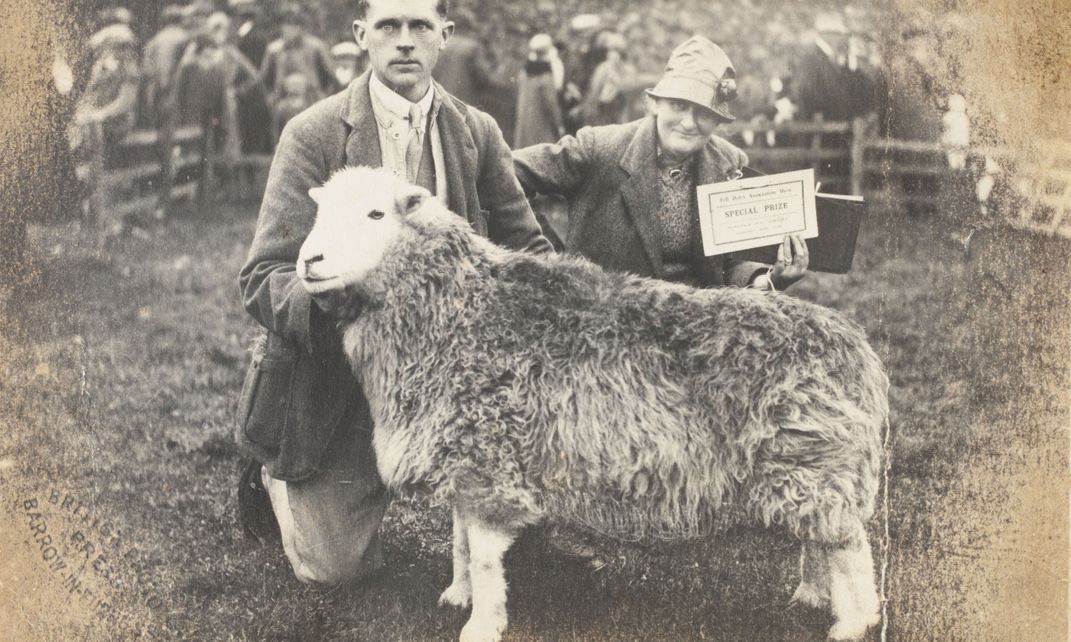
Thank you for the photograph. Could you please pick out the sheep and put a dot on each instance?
(517, 388)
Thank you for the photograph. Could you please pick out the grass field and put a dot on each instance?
(120, 365)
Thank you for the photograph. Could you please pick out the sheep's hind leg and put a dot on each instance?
(852, 590)
(459, 593)
(813, 590)
(487, 545)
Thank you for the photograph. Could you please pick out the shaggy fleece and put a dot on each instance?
(525, 387)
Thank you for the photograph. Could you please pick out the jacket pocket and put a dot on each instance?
(265, 402)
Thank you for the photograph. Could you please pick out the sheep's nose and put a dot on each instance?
(316, 258)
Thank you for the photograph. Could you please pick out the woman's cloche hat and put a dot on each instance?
(700, 72)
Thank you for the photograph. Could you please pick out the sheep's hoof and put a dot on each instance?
(483, 630)
(849, 629)
(809, 595)
(458, 595)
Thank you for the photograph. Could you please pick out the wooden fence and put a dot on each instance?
(156, 171)
(148, 172)
(1034, 194)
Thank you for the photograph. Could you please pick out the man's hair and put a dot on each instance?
(442, 7)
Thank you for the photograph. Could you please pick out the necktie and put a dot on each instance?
(414, 148)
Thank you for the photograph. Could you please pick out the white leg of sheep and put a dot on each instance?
(487, 546)
(459, 593)
(853, 596)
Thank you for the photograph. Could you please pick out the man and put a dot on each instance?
(250, 34)
(302, 413)
(297, 52)
(159, 62)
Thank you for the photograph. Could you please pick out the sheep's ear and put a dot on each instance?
(409, 198)
(315, 194)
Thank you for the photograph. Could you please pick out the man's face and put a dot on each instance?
(683, 127)
(403, 39)
(290, 31)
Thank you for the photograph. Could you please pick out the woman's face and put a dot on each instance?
(683, 127)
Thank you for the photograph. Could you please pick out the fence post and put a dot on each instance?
(857, 161)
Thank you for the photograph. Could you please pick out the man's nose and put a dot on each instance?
(405, 38)
(315, 258)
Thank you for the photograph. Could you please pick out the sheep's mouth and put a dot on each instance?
(317, 284)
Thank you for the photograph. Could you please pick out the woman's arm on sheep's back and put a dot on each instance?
(553, 168)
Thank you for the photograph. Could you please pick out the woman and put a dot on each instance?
(631, 187)
(539, 116)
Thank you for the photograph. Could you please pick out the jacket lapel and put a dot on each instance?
(459, 156)
(642, 193)
(362, 145)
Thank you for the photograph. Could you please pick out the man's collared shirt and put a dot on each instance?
(391, 111)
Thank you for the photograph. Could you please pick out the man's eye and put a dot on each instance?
(388, 28)
(421, 28)
(375, 215)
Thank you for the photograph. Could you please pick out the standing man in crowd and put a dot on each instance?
(159, 62)
(302, 414)
(297, 52)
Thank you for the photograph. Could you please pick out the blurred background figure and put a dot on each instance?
(829, 82)
(200, 87)
(160, 61)
(293, 101)
(350, 61)
(608, 90)
(250, 35)
(197, 13)
(579, 63)
(240, 81)
(466, 67)
(105, 111)
(956, 133)
(539, 115)
(297, 52)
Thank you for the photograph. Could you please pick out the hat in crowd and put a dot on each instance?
(346, 49)
(585, 22)
(115, 15)
(172, 13)
(540, 44)
(291, 15)
(113, 36)
(830, 22)
(242, 6)
(700, 72)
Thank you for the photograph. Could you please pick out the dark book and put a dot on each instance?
(838, 219)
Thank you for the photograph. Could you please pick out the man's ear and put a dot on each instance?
(359, 33)
(409, 198)
(448, 31)
(315, 193)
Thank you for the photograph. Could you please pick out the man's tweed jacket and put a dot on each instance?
(299, 387)
(610, 176)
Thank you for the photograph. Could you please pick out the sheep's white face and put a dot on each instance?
(359, 216)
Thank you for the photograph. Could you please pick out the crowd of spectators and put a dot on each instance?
(242, 68)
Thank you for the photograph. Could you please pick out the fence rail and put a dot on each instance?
(163, 169)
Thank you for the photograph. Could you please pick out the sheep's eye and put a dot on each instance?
(375, 215)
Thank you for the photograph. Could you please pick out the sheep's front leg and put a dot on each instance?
(459, 593)
(814, 576)
(487, 545)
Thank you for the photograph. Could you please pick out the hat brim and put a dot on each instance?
(694, 92)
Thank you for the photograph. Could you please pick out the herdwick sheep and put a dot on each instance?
(517, 388)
